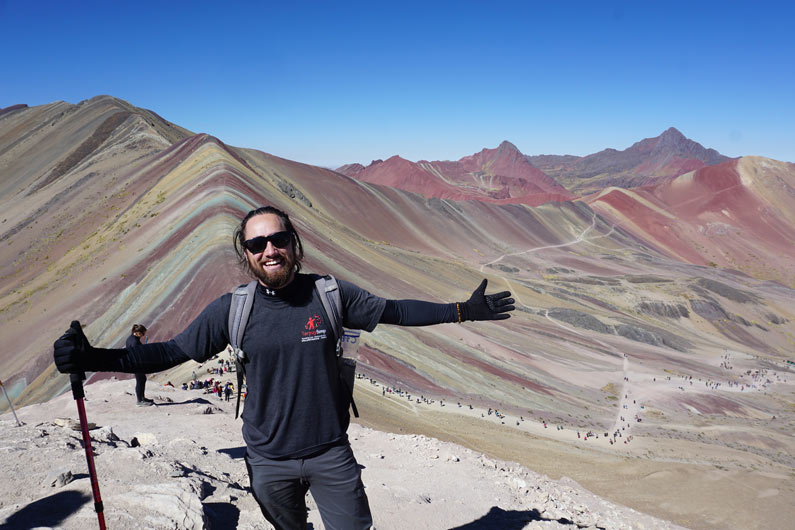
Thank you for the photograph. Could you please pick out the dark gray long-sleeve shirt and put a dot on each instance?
(294, 405)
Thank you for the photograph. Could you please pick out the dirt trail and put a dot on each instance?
(574, 241)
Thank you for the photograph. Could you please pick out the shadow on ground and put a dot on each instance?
(499, 519)
(222, 514)
(234, 452)
(195, 401)
(46, 512)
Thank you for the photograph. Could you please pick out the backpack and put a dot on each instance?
(240, 309)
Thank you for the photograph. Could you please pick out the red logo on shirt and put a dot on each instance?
(313, 323)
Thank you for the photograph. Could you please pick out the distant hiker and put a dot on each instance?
(295, 422)
(138, 332)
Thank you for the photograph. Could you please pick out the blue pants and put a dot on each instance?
(334, 479)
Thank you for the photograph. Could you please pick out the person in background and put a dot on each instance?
(138, 333)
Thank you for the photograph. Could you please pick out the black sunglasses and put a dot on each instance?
(255, 245)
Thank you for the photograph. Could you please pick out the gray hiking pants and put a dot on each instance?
(333, 478)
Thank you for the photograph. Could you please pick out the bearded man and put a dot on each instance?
(296, 414)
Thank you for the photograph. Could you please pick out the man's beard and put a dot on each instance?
(274, 280)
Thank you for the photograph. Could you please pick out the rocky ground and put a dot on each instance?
(179, 465)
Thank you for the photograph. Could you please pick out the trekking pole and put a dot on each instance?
(77, 392)
(19, 424)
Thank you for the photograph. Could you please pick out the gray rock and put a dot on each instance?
(579, 319)
(775, 319)
(143, 438)
(740, 320)
(169, 505)
(105, 434)
(505, 268)
(71, 424)
(646, 279)
(291, 191)
(587, 280)
(656, 337)
(59, 479)
(708, 309)
(661, 309)
(559, 270)
(727, 291)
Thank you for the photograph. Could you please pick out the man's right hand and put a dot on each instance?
(70, 349)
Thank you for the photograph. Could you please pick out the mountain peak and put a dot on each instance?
(507, 146)
(672, 134)
(672, 131)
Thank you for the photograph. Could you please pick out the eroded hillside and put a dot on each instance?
(112, 216)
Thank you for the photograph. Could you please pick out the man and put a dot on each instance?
(296, 413)
(138, 332)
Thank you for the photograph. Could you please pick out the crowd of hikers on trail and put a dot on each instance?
(760, 378)
(212, 386)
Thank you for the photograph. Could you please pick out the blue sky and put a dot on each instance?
(329, 83)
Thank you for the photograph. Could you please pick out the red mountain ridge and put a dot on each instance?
(502, 175)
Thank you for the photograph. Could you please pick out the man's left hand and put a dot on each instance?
(482, 306)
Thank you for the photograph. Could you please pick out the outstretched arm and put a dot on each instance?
(73, 354)
(480, 306)
(204, 337)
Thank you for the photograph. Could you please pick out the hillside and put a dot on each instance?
(180, 465)
(113, 216)
(502, 175)
(647, 161)
(506, 175)
(737, 215)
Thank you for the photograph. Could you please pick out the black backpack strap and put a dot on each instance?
(329, 291)
(239, 311)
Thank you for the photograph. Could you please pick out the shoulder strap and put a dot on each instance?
(329, 292)
(239, 311)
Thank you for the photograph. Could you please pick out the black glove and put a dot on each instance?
(71, 350)
(481, 306)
